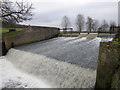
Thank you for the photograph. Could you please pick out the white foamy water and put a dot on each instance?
(13, 78)
(56, 73)
(106, 39)
(77, 40)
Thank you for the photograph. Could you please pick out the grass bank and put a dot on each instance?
(6, 32)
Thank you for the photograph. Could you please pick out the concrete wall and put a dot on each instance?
(108, 70)
(83, 35)
(31, 34)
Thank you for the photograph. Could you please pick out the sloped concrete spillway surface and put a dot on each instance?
(82, 52)
(59, 62)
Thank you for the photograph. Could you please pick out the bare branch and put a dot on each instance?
(17, 11)
(80, 22)
(65, 23)
(90, 24)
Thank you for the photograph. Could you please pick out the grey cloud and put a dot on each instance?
(100, 11)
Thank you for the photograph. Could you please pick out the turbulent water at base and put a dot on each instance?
(11, 77)
(55, 63)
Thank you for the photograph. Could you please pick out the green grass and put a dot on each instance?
(10, 33)
(114, 41)
(5, 31)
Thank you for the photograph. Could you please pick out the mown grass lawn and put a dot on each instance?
(5, 31)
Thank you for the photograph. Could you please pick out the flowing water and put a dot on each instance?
(59, 62)
(11, 77)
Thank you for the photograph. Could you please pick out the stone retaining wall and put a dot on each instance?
(108, 70)
(35, 34)
(31, 34)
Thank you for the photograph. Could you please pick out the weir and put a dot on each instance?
(60, 62)
(83, 52)
(55, 73)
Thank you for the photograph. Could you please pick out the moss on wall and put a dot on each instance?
(116, 79)
(108, 63)
(8, 40)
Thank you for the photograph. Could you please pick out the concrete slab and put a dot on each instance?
(83, 35)
(92, 35)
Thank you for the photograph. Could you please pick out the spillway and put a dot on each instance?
(55, 63)
(82, 52)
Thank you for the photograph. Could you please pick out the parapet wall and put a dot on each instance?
(31, 34)
(108, 70)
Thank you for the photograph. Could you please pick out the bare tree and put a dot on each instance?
(95, 25)
(90, 24)
(15, 11)
(65, 23)
(113, 23)
(80, 22)
(105, 26)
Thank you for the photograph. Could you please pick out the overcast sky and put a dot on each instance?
(50, 12)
